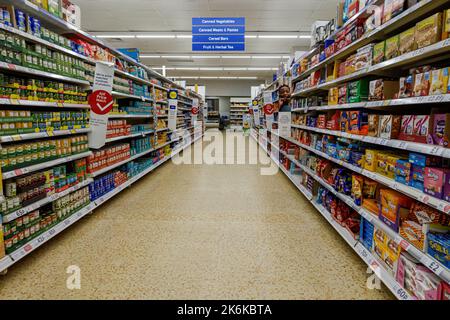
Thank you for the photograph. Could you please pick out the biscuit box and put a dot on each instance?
(413, 233)
(389, 126)
(403, 172)
(406, 87)
(445, 291)
(439, 247)
(434, 179)
(358, 91)
(417, 177)
(446, 24)
(366, 234)
(393, 206)
(370, 160)
(333, 96)
(342, 94)
(358, 122)
(423, 160)
(440, 130)
(374, 124)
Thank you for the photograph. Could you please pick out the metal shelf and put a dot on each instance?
(139, 134)
(44, 165)
(398, 144)
(416, 194)
(28, 103)
(39, 73)
(41, 135)
(414, 13)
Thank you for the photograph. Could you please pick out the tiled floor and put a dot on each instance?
(198, 232)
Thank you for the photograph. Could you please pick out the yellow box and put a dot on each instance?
(407, 41)
(333, 96)
(446, 24)
(392, 47)
(370, 160)
(429, 31)
(439, 81)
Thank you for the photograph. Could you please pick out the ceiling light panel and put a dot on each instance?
(261, 36)
(112, 36)
(236, 57)
(155, 36)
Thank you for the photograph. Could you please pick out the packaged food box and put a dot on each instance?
(403, 171)
(417, 177)
(374, 125)
(422, 84)
(364, 57)
(392, 47)
(382, 89)
(440, 131)
(407, 127)
(439, 81)
(434, 180)
(406, 87)
(370, 160)
(333, 96)
(342, 98)
(429, 30)
(389, 126)
(445, 292)
(423, 160)
(446, 24)
(421, 128)
(393, 206)
(407, 41)
(439, 247)
(358, 91)
(378, 52)
(366, 234)
(358, 122)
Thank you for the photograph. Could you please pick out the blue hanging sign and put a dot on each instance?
(218, 34)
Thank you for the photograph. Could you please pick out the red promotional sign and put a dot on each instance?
(101, 102)
(194, 110)
(268, 109)
(250, 111)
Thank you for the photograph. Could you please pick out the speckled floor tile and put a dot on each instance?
(198, 232)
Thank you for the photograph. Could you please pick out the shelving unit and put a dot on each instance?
(238, 107)
(153, 87)
(310, 144)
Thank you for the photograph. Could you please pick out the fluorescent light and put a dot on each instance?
(169, 68)
(208, 77)
(111, 36)
(184, 36)
(274, 69)
(176, 57)
(304, 36)
(234, 69)
(248, 78)
(144, 56)
(286, 57)
(211, 69)
(278, 36)
(206, 57)
(155, 36)
(228, 77)
(184, 77)
(236, 57)
(251, 36)
(259, 69)
(185, 68)
(266, 57)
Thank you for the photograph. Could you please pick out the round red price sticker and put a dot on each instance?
(101, 102)
(194, 110)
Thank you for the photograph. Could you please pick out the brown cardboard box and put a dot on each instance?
(390, 126)
(374, 125)
(407, 41)
(382, 89)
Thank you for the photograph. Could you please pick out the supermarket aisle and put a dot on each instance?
(198, 232)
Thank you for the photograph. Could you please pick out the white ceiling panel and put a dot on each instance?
(175, 16)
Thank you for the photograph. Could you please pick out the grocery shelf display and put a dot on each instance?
(51, 178)
(368, 143)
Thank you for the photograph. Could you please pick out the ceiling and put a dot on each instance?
(173, 17)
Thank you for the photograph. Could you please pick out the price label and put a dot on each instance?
(404, 244)
(143, 99)
(40, 239)
(20, 212)
(435, 150)
(16, 138)
(67, 222)
(402, 145)
(11, 66)
(60, 105)
(50, 133)
(400, 292)
(446, 43)
(384, 142)
(418, 52)
(52, 232)
(73, 131)
(19, 172)
(433, 266)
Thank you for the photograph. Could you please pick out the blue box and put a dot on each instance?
(131, 52)
(366, 234)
